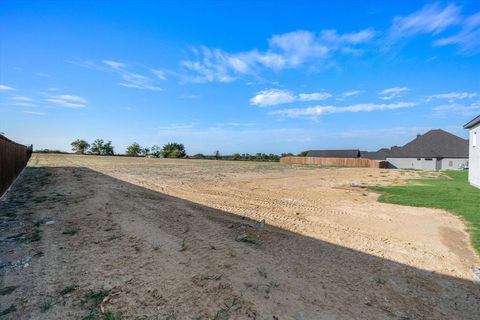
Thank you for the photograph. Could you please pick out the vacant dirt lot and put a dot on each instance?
(100, 237)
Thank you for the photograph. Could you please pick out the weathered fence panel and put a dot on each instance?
(337, 162)
(13, 158)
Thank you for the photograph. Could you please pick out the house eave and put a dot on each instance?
(472, 123)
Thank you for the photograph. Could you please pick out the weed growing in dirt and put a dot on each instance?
(7, 290)
(262, 272)
(68, 289)
(224, 312)
(10, 309)
(270, 286)
(111, 316)
(36, 235)
(46, 304)
(250, 241)
(70, 232)
(39, 254)
(184, 245)
(171, 315)
(92, 301)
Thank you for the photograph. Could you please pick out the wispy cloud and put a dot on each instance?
(21, 101)
(6, 88)
(392, 93)
(431, 19)
(457, 109)
(273, 97)
(317, 111)
(37, 113)
(352, 93)
(435, 19)
(68, 101)
(21, 98)
(129, 79)
(452, 96)
(288, 50)
(468, 39)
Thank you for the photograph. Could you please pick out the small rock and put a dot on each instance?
(261, 224)
(241, 237)
(50, 222)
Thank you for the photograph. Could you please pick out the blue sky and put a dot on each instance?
(239, 76)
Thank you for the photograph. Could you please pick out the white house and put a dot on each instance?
(474, 153)
(434, 150)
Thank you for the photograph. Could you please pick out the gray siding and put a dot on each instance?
(453, 164)
(423, 164)
(474, 161)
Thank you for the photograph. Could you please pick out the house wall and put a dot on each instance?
(422, 164)
(474, 160)
(453, 163)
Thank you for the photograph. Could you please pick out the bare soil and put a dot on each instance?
(193, 239)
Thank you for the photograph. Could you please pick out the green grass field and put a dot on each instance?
(451, 191)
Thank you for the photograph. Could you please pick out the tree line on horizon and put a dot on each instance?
(169, 150)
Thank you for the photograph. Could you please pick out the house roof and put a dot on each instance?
(433, 144)
(334, 153)
(375, 155)
(472, 123)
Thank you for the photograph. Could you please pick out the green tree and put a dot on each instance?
(145, 151)
(80, 146)
(100, 147)
(107, 149)
(155, 151)
(97, 146)
(173, 150)
(303, 154)
(236, 156)
(134, 149)
(217, 155)
(199, 156)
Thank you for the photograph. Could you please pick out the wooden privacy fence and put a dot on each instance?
(336, 162)
(13, 158)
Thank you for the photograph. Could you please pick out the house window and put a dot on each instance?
(428, 159)
(450, 163)
(419, 159)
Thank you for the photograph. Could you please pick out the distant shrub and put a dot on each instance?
(80, 146)
(100, 147)
(173, 150)
(134, 150)
(155, 151)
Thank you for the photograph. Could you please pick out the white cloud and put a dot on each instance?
(37, 113)
(129, 79)
(272, 97)
(352, 93)
(6, 88)
(160, 74)
(317, 111)
(114, 64)
(392, 93)
(288, 50)
(68, 101)
(457, 109)
(468, 39)
(316, 96)
(23, 104)
(452, 96)
(434, 19)
(20, 98)
(431, 19)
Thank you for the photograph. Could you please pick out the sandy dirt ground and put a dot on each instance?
(192, 239)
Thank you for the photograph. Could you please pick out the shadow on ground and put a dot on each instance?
(79, 244)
